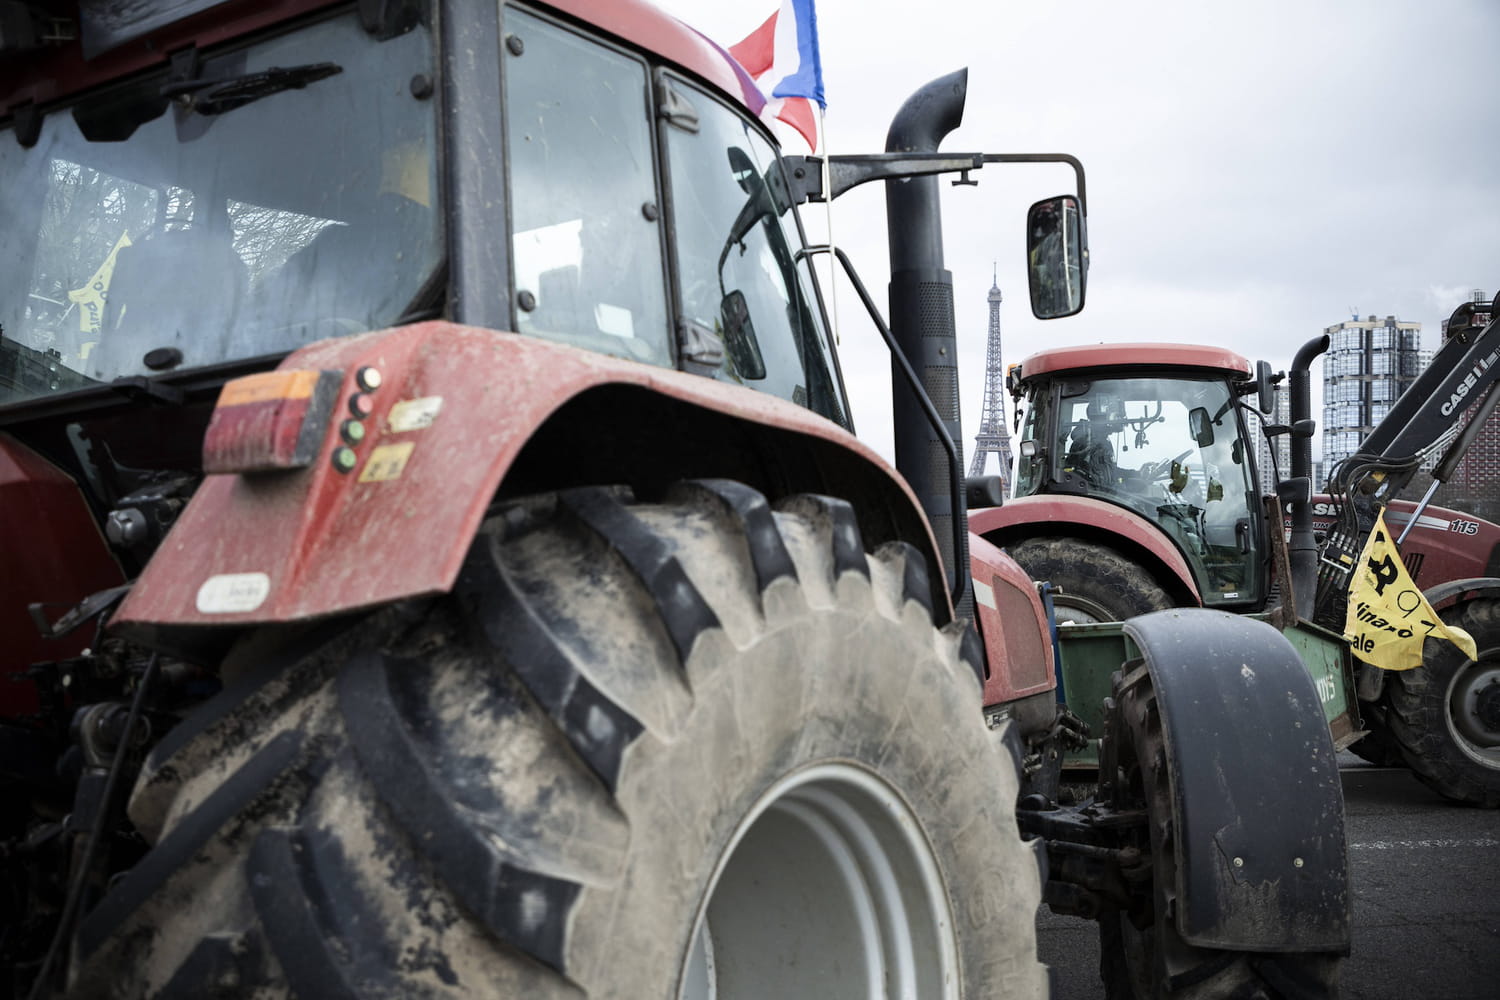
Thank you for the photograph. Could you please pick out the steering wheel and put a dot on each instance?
(1152, 471)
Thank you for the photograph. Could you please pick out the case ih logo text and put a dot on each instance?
(1462, 389)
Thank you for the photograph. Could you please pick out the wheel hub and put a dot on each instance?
(1475, 706)
(1487, 708)
(1074, 610)
(829, 889)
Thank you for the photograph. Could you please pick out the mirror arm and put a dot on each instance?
(1072, 161)
(858, 168)
(805, 173)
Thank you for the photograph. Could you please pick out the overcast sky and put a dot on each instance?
(1256, 171)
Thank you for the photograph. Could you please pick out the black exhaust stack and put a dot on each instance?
(921, 296)
(1302, 547)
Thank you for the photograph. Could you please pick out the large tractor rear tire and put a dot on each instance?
(1141, 954)
(1098, 583)
(1445, 714)
(694, 749)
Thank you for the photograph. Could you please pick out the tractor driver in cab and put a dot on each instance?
(1090, 453)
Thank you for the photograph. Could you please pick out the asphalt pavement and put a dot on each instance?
(1426, 876)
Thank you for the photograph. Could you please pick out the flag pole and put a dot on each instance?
(833, 271)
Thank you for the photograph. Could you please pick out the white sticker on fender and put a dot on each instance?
(413, 414)
(984, 594)
(229, 593)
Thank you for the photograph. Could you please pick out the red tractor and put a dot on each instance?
(438, 561)
(1137, 489)
(1443, 546)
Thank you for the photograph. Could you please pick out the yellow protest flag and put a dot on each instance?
(1389, 618)
(91, 297)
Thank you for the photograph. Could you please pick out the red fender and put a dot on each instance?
(1017, 634)
(1452, 592)
(54, 554)
(266, 547)
(1055, 514)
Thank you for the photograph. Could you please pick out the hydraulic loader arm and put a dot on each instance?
(1428, 415)
(1464, 371)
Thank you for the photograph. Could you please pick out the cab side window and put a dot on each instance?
(585, 225)
(739, 277)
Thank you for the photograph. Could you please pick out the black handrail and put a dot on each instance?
(958, 584)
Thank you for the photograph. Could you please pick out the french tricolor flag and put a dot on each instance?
(782, 56)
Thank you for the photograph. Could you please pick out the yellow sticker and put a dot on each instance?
(387, 462)
(92, 296)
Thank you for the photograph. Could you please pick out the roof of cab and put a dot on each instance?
(1136, 355)
(54, 74)
(648, 27)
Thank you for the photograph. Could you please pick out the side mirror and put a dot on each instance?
(1265, 386)
(740, 342)
(984, 491)
(1057, 256)
(1201, 426)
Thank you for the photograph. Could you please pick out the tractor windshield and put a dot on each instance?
(270, 195)
(1171, 449)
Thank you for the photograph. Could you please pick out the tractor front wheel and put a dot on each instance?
(1445, 714)
(700, 748)
(1141, 954)
(1097, 583)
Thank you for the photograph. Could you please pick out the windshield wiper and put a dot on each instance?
(144, 389)
(214, 97)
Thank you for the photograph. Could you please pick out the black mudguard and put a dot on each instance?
(1446, 593)
(1262, 863)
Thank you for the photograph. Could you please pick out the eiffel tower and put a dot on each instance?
(993, 437)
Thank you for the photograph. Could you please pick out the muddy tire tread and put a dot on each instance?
(275, 761)
(491, 882)
(234, 695)
(283, 894)
(383, 850)
(1092, 572)
(1418, 715)
(221, 967)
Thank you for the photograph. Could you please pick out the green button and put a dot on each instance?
(344, 459)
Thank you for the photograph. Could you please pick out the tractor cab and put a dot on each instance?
(1165, 440)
